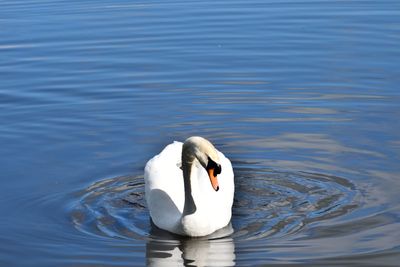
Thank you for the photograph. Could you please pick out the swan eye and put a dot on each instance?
(213, 165)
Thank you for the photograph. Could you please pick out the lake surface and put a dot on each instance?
(302, 96)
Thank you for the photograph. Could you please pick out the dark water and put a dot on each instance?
(302, 96)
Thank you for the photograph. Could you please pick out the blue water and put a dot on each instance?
(302, 96)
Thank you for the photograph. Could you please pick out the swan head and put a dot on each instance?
(196, 147)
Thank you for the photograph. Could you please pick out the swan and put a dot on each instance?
(189, 188)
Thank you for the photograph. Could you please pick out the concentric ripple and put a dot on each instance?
(268, 204)
(277, 204)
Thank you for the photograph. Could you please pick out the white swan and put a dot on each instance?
(183, 193)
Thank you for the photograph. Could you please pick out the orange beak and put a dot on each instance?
(213, 179)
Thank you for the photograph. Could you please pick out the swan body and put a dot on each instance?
(189, 188)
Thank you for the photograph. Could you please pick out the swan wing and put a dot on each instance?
(164, 187)
(219, 204)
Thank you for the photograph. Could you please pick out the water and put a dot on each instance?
(303, 98)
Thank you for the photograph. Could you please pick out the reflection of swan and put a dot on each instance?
(192, 251)
(178, 191)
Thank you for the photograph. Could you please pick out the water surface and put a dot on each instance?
(302, 96)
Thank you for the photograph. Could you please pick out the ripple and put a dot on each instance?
(268, 204)
(277, 204)
(113, 207)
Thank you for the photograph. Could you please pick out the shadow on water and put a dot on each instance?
(164, 249)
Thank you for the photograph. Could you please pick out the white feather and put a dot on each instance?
(165, 194)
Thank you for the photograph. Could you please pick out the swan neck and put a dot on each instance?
(189, 206)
